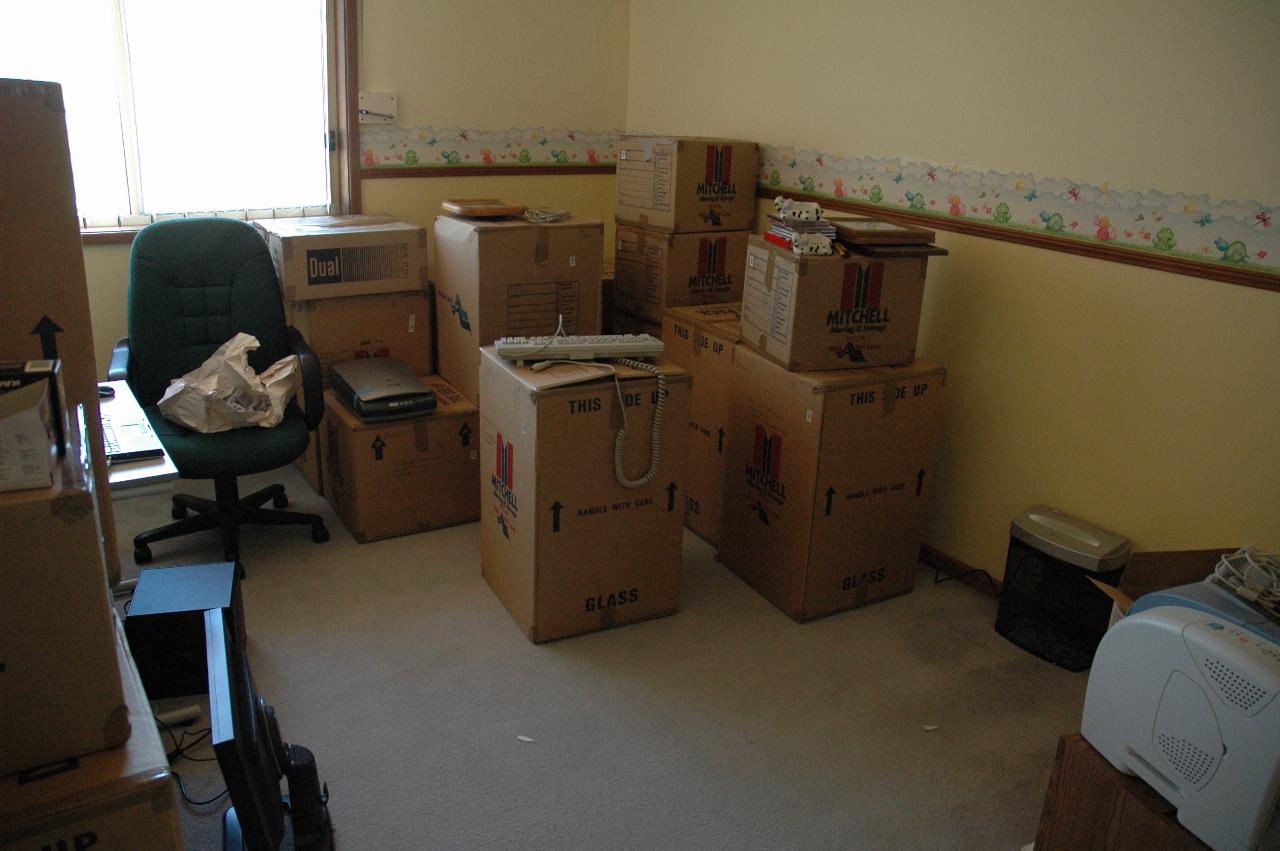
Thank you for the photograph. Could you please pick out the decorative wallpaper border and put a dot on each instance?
(1241, 236)
(1190, 227)
(386, 146)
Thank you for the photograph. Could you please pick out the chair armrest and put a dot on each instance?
(312, 385)
(118, 369)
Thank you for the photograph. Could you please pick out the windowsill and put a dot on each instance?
(108, 236)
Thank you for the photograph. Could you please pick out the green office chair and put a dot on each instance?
(193, 284)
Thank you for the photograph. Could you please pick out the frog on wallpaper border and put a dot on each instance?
(1164, 240)
(1052, 222)
(915, 200)
(877, 195)
(775, 179)
(806, 183)
(560, 157)
(451, 157)
(1002, 214)
(524, 156)
(1232, 252)
(411, 157)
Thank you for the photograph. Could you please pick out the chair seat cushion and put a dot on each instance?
(238, 452)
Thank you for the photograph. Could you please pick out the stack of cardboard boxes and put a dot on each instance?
(356, 287)
(832, 424)
(684, 212)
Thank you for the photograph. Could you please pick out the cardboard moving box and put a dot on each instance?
(829, 477)
(46, 301)
(656, 270)
(32, 426)
(60, 693)
(702, 339)
(687, 183)
(122, 797)
(1145, 573)
(566, 547)
(335, 256)
(393, 325)
(404, 476)
(510, 277)
(833, 312)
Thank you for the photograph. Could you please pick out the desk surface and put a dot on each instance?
(125, 479)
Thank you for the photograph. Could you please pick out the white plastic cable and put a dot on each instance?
(655, 437)
(1253, 575)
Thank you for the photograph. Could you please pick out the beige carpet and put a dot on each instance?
(724, 726)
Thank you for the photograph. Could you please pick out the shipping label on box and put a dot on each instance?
(655, 270)
(564, 545)
(816, 313)
(511, 278)
(337, 256)
(396, 478)
(394, 325)
(702, 340)
(828, 481)
(686, 184)
(32, 423)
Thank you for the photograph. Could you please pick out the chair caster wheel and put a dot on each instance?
(319, 533)
(142, 554)
(281, 501)
(177, 512)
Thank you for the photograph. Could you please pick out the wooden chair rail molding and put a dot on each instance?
(483, 171)
(1241, 275)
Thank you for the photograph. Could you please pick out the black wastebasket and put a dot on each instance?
(1047, 604)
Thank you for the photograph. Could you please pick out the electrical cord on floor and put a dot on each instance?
(182, 788)
(655, 435)
(180, 751)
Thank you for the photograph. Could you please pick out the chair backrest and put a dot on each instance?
(193, 285)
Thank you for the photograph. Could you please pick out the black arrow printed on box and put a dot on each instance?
(555, 515)
(378, 445)
(47, 329)
(671, 496)
(919, 481)
(465, 434)
(831, 492)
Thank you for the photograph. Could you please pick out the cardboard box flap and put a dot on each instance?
(709, 313)
(319, 225)
(828, 381)
(1155, 571)
(901, 250)
(861, 231)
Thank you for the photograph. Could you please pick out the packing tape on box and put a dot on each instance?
(542, 246)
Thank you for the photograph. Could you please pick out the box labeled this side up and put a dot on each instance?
(335, 256)
(703, 339)
(655, 270)
(404, 476)
(828, 482)
(833, 312)
(511, 278)
(685, 184)
(565, 546)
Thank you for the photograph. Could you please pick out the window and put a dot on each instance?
(175, 106)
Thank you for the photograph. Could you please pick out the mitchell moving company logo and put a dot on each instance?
(859, 299)
(717, 181)
(712, 254)
(765, 466)
(503, 482)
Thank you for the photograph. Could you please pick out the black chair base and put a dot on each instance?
(228, 512)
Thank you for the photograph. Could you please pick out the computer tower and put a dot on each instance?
(165, 624)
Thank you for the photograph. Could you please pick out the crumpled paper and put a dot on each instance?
(225, 393)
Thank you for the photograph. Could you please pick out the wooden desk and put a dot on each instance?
(134, 478)
(1091, 805)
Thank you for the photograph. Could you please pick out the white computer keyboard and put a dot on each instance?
(579, 348)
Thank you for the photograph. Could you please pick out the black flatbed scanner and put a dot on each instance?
(381, 389)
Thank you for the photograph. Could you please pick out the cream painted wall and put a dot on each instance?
(1164, 94)
(495, 64)
(1140, 400)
